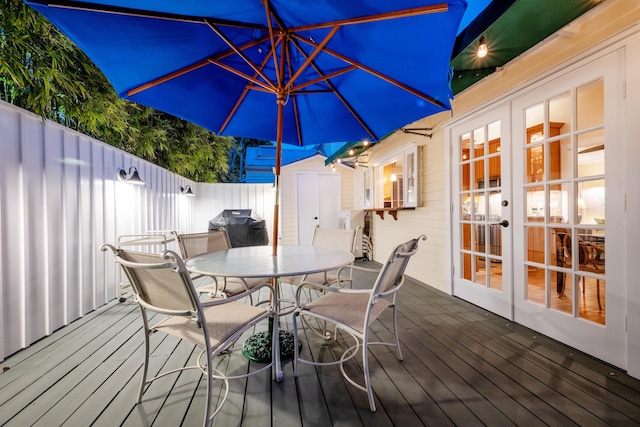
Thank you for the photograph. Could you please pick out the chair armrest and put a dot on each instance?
(350, 267)
(316, 286)
(218, 301)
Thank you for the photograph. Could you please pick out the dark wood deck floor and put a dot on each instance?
(463, 366)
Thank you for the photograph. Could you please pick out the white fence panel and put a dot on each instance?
(60, 199)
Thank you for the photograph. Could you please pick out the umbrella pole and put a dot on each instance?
(276, 208)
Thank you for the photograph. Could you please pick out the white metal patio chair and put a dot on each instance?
(338, 238)
(199, 243)
(162, 284)
(354, 310)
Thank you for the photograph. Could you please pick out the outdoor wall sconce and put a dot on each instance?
(482, 47)
(186, 191)
(132, 177)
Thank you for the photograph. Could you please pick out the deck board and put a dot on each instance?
(462, 366)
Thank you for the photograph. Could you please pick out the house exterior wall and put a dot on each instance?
(613, 24)
(289, 189)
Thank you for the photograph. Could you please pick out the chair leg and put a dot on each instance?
(395, 333)
(598, 293)
(365, 368)
(207, 410)
(145, 365)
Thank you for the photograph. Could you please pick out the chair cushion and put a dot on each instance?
(349, 309)
(223, 321)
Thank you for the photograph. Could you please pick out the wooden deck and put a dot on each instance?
(462, 366)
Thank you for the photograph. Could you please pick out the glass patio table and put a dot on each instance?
(258, 261)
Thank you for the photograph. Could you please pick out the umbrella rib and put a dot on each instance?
(319, 48)
(323, 77)
(276, 67)
(239, 52)
(238, 73)
(377, 74)
(167, 77)
(334, 90)
(406, 13)
(242, 97)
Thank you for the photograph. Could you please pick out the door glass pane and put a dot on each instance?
(591, 300)
(410, 179)
(495, 273)
(479, 173)
(591, 153)
(560, 111)
(480, 240)
(590, 105)
(535, 244)
(561, 293)
(535, 163)
(535, 203)
(464, 146)
(481, 270)
(466, 176)
(590, 202)
(534, 115)
(466, 266)
(466, 237)
(366, 176)
(560, 159)
(535, 285)
(559, 203)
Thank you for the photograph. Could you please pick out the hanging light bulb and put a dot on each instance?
(482, 47)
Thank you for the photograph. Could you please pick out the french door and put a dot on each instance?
(482, 212)
(565, 152)
(537, 204)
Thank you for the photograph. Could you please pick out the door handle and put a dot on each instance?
(503, 223)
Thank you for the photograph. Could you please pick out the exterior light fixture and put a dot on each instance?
(482, 47)
(132, 177)
(351, 152)
(186, 191)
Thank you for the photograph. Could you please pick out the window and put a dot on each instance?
(394, 180)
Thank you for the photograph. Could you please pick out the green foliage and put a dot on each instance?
(42, 71)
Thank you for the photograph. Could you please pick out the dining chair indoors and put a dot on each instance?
(353, 311)
(163, 285)
(198, 243)
(589, 257)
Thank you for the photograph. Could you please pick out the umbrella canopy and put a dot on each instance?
(298, 72)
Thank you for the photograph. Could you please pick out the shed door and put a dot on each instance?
(318, 203)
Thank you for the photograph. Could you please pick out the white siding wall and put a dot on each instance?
(428, 218)
(60, 199)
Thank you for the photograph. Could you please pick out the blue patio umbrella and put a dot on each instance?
(296, 72)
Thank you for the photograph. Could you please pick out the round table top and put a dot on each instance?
(258, 261)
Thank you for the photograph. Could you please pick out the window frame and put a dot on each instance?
(408, 153)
